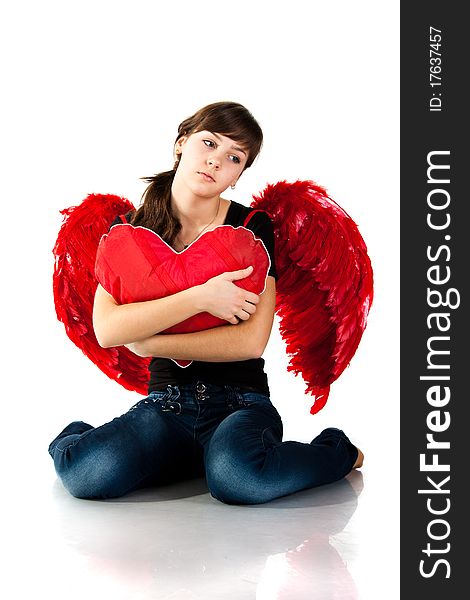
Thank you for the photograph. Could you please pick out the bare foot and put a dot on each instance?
(359, 460)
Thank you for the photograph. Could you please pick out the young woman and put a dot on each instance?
(213, 418)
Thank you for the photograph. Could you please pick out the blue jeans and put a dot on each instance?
(229, 434)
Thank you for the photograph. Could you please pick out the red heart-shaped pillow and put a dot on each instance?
(134, 264)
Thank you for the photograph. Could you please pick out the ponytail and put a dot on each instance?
(155, 212)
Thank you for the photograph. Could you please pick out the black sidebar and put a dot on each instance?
(435, 257)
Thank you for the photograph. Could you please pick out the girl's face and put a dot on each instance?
(209, 162)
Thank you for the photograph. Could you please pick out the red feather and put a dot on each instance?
(74, 286)
(325, 286)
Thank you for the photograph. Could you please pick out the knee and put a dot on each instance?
(91, 477)
(91, 489)
(232, 483)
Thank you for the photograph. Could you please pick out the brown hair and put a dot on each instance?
(226, 118)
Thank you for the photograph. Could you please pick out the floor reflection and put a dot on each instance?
(178, 542)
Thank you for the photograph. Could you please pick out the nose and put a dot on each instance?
(213, 161)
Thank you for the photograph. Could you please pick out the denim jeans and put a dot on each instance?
(229, 434)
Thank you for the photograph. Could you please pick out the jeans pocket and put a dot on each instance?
(139, 404)
(260, 402)
(153, 398)
(254, 399)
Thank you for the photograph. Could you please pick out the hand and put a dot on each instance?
(225, 300)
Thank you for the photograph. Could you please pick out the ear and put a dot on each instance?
(179, 144)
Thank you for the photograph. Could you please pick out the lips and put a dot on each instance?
(206, 176)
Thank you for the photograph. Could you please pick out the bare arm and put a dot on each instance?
(226, 343)
(117, 325)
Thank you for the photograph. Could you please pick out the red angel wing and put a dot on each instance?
(325, 285)
(74, 286)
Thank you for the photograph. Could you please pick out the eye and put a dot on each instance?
(235, 159)
(209, 143)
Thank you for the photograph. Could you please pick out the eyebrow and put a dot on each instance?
(233, 147)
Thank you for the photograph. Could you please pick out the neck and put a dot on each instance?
(193, 211)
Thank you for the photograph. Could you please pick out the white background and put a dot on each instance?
(92, 96)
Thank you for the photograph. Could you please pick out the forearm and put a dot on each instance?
(225, 343)
(116, 325)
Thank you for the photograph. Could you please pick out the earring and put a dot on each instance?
(233, 186)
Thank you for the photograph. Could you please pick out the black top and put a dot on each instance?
(246, 373)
